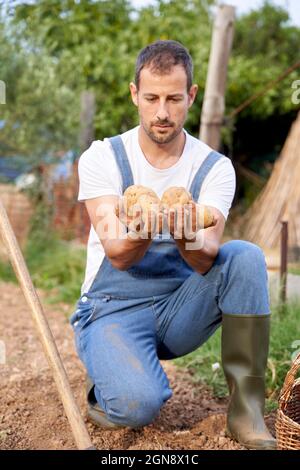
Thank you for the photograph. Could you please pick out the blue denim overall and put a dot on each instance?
(160, 308)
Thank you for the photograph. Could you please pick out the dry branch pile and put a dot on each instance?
(279, 200)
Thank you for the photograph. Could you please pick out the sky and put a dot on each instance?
(244, 6)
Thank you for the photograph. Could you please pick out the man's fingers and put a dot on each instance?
(120, 209)
(150, 221)
(161, 221)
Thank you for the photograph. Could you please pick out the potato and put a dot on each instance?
(174, 196)
(138, 194)
(205, 217)
(177, 196)
(146, 198)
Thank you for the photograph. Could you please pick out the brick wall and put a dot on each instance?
(71, 219)
(19, 211)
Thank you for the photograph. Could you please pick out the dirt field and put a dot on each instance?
(31, 414)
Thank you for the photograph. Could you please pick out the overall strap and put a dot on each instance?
(202, 172)
(122, 161)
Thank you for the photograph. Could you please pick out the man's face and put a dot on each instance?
(163, 102)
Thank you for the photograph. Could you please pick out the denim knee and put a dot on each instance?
(245, 256)
(136, 410)
(244, 278)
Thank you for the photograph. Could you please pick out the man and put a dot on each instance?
(146, 298)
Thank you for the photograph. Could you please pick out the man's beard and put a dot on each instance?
(161, 138)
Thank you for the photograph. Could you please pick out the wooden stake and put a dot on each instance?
(283, 261)
(214, 101)
(78, 427)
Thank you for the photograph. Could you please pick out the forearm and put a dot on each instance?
(125, 252)
(199, 254)
(122, 248)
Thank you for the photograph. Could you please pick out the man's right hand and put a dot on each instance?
(141, 223)
(123, 249)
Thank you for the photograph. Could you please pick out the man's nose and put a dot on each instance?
(162, 112)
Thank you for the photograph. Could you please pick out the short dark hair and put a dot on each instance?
(161, 56)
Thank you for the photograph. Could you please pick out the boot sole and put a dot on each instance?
(249, 446)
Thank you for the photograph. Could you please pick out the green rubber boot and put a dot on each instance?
(245, 345)
(94, 413)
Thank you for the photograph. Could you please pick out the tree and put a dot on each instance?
(88, 37)
(265, 44)
(69, 46)
(40, 115)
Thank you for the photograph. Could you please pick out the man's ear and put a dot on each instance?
(192, 94)
(134, 92)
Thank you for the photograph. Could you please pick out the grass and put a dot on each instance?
(58, 267)
(54, 265)
(294, 270)
(284, 341)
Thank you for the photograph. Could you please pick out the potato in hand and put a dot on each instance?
(179, 199)
(175, 196)
(140, 209)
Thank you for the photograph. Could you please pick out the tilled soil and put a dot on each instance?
(32, 416)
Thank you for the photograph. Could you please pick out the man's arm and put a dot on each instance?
(201, 259)
(123, 249)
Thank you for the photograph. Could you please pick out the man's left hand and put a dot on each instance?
(184, 221)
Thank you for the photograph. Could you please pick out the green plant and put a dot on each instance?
(56, 265)
(285, 330)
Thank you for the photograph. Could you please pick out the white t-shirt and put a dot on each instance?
(99, 175)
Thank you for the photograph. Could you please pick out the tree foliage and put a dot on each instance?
(53, 50)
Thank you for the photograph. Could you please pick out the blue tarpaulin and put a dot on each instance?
(11, 167)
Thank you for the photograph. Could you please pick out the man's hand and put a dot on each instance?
(184, 221)
(121, 249)
(201, 251)
(142, 223)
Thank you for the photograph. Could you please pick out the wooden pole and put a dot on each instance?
(214, 101)
(77, 424)
(283, 261)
